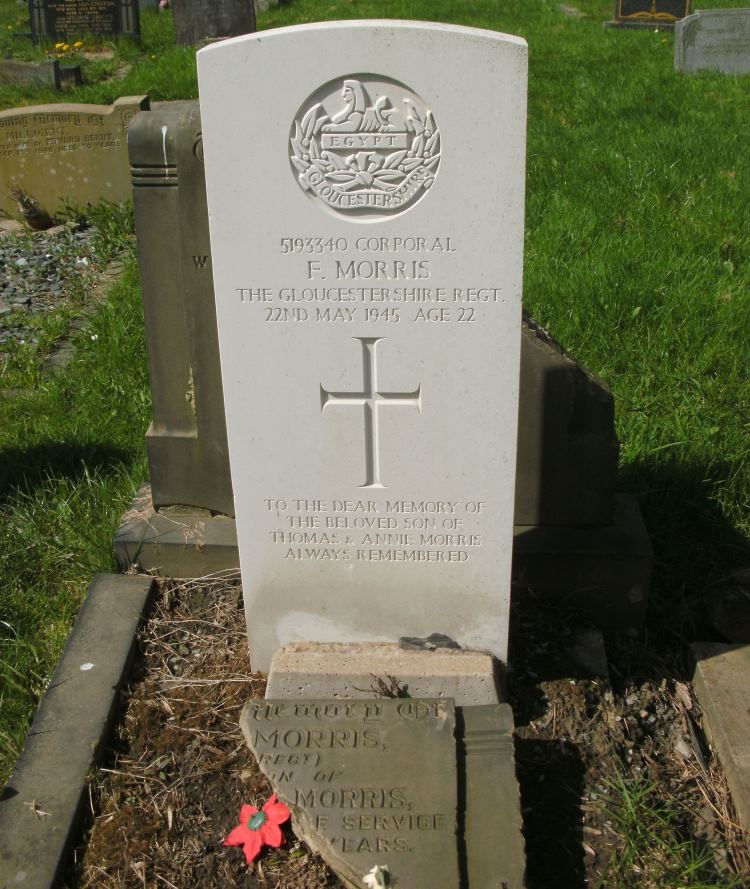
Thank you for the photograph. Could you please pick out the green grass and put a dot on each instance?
(656, 852)
(637, 259)
(71, 456)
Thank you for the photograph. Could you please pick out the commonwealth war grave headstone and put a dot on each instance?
(715, 39)
(66, 151)
(648, 13)
(369, 328)
(575, 539)
(61, 19)
(196, 20)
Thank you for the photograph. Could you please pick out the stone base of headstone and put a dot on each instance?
(641, 26)
(176, 541)
(374, 669)
(605, 572)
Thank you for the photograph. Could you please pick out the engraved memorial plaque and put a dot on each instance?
(651, 12)
(366, 201)
(67, 151)
(353, 774)
(62, 19)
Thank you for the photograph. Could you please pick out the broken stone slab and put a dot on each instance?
(369, 783)
(490, 808)
(722, 686)
(379, 669)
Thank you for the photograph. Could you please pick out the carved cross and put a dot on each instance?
(371, 400)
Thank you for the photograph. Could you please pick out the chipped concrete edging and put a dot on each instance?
(722, 686)
(41, 805)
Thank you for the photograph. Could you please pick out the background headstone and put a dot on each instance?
(187, 449)
(715, 39)
(372, 430)
(196, 20)
(649, 13)
(60, 19)
(67, 152)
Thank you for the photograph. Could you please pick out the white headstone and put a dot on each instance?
(716, 39)
(366, 193)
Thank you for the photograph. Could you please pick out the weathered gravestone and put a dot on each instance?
(715, 39)
(369, 324)
(196, 20)
(354, 776)
(61, 19)
(386, 782)
(67, 152)
(574, 539)
(186, 443)
(648, 13)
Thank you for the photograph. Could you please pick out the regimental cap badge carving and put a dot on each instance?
(365, 146)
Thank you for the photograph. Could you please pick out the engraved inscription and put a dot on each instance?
(372, 287)
(44, 133)
(348, 771)
(389, 531)
(371, 400)
(365, 146)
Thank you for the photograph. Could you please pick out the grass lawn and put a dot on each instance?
(637, 260)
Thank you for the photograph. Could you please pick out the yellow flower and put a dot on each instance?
(65, 47)
(78, 44)
(58, 46)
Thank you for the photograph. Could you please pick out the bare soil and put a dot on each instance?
(178, 768)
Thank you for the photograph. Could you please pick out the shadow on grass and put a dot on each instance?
(696, 544)
(24, 470)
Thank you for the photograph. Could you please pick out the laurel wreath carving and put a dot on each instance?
(366, 169)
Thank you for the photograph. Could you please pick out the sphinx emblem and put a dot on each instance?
(365, 156)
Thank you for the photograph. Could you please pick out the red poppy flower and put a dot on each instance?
(258, 828)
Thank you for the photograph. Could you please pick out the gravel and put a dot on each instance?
(39, 273)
